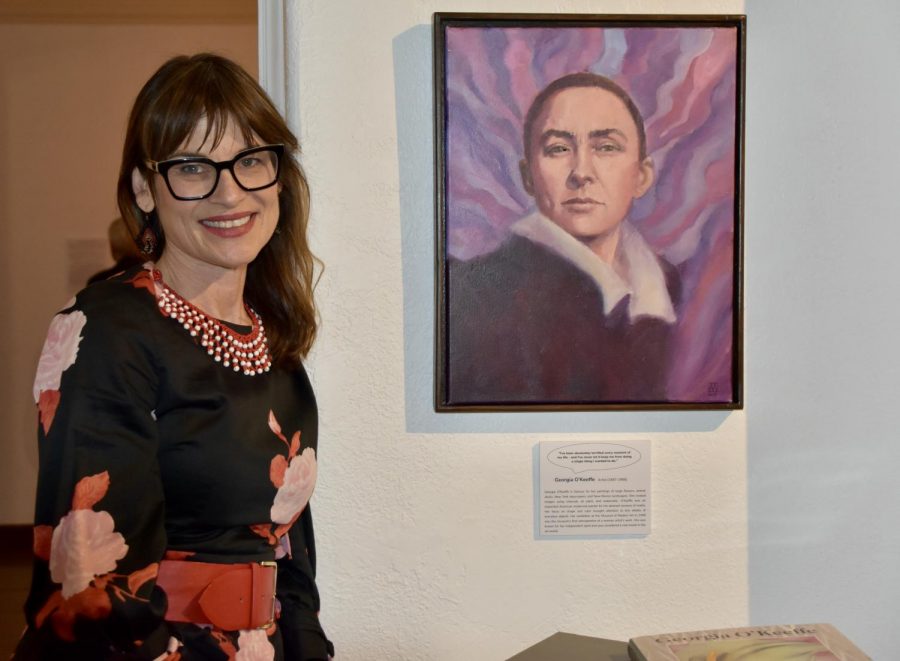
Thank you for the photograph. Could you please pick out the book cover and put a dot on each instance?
(787, 642)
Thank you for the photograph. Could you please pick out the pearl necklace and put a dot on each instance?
(242, 352)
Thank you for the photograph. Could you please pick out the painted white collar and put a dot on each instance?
(646, 283)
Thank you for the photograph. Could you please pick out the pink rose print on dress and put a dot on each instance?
(295, 477)
(59, 353)
(82, 551)
(254, 645)
(84, 543)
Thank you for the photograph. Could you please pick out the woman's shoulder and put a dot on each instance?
(110, 311)
(106, 328)
(127, 293)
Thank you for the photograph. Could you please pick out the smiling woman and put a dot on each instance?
(214, 225)
(172, 516)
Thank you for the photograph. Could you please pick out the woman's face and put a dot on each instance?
(223, 231)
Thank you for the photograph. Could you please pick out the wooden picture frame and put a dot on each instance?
(589, 212)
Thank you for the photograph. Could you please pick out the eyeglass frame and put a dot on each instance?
(162, 169)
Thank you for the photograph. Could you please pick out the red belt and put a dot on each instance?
(228, 596)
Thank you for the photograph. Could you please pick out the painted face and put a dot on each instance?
(223, 231)
(583, 167)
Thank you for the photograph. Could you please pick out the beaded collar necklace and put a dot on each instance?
(242, 352)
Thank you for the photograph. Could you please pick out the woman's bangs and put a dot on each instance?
(207, 101)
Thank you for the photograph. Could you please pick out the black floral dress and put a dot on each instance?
(151, 450)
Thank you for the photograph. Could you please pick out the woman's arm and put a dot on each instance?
(99, 533)
(299, 597)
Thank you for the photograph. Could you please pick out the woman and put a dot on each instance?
(177, 427)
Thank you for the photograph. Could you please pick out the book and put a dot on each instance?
(794, 642)
(572, 647)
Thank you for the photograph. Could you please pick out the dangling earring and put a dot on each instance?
(148, 241)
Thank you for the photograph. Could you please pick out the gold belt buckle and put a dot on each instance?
(274, 565)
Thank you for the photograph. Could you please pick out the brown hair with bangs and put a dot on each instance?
(186, 89)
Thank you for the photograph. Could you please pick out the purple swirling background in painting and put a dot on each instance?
(684, 82)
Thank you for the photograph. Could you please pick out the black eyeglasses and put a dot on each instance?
(195, 177)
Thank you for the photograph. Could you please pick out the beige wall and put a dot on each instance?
(65, 92)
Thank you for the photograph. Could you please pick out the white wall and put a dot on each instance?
(65, 92)
(822, 315)
(424, 521)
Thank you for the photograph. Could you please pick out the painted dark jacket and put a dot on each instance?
(526, 325)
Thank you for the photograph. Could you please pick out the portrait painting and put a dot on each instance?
(589, 212)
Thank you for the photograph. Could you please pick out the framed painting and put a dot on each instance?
(589, 203)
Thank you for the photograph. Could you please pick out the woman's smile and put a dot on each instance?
(231, 225)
